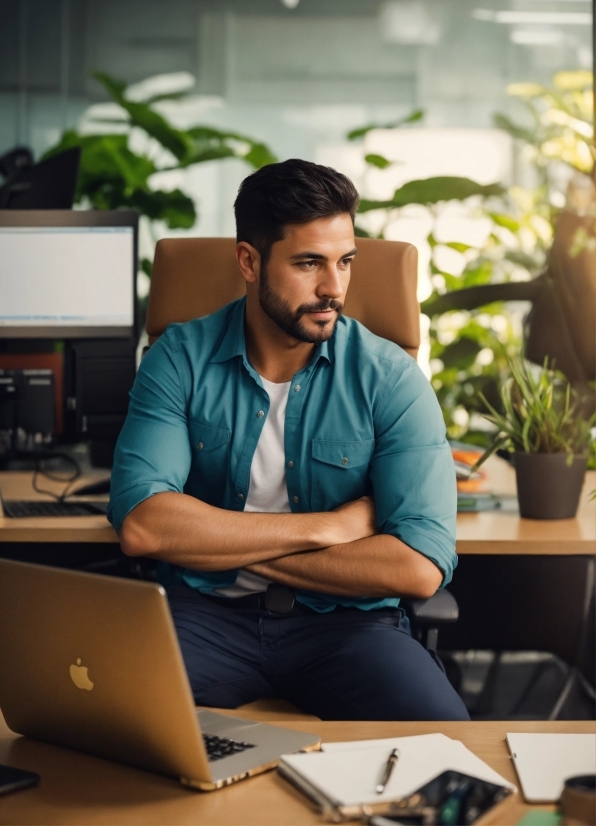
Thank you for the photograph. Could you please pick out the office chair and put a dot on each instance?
(193, 277)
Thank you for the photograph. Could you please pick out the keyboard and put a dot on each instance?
(17, 508)
(218, 747)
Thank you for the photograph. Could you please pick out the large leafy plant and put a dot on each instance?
(115, 175)
(470, 349)
(554, 139)
(457, 342)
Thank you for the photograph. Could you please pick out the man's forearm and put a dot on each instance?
(184, 530)
(378, 566)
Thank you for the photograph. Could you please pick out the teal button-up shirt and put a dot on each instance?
(361, 419)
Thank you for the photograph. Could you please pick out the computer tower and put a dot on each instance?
(98, 377)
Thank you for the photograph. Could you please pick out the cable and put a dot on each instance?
(54, 475)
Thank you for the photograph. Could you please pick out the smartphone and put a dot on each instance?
(451, 799)
(13, 779)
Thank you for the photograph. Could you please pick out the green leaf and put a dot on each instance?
(167, 96)
(432, 191)
(456, 245)
(212, 153)
(461, 353)
(499, 442)
(477, 272)
(503, 122)
(259, 155)
(114, 87)
(175, 208)
(146, 118)
(147, 266)
(444, 188)
(210, 140)
(413, 117)
(361, 233)
(377, 160)
(505, 221)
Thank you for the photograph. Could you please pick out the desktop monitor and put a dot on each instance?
(68, 274)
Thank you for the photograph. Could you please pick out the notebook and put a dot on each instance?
(343, 776)
(544, 761)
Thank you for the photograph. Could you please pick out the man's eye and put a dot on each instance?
(308, 265)
(345, 262)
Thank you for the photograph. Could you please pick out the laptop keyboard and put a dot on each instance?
(218, 747)
(20, 508)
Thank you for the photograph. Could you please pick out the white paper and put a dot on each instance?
(544, 761)
(348, 777)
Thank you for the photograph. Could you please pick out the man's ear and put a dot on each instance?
(249, 261)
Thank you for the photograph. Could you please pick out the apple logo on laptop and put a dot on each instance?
(79, 676)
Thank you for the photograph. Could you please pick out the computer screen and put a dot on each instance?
(67, 280)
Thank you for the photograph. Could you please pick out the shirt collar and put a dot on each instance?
(233, 342)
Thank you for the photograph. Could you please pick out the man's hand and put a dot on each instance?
(358, 520)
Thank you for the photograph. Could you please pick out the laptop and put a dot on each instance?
(92, 662)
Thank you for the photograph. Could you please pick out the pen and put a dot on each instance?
(389, 766)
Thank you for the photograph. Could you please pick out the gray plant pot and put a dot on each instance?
(547, 488)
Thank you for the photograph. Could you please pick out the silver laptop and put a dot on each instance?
(93, 662)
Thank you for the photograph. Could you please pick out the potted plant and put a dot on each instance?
(544, 425)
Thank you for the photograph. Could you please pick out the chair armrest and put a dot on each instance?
(438, 609)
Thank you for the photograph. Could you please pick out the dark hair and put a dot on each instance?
(292, 192)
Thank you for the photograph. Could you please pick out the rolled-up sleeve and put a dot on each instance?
(412, 470)
(153, 451)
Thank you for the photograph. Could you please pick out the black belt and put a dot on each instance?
(277, 598)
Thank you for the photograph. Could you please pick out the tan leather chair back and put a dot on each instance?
(193, 277)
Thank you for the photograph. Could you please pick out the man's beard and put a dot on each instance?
(290, 321)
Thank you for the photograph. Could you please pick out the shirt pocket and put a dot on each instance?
(340, 472)
(210, 462)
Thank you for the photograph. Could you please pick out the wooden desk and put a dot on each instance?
(79, 789)
(17, 484)
(505, 532)
(492, 532)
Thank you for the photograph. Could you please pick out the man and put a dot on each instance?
(292, 470)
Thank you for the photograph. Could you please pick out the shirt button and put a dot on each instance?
(297, 388)
(290, 464)
(345, 460)
(240, 496)
(296, 500)
(260, 414)
(200, 445)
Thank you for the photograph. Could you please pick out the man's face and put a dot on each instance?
(303, 285)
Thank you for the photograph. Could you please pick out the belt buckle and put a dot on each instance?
(279, 598)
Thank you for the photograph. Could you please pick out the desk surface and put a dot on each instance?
(490, 532)
(80, 789)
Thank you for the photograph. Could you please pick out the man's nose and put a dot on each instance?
(331, 283)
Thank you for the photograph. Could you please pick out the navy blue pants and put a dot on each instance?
(344, 665)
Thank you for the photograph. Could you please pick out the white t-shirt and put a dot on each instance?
(267, 490)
